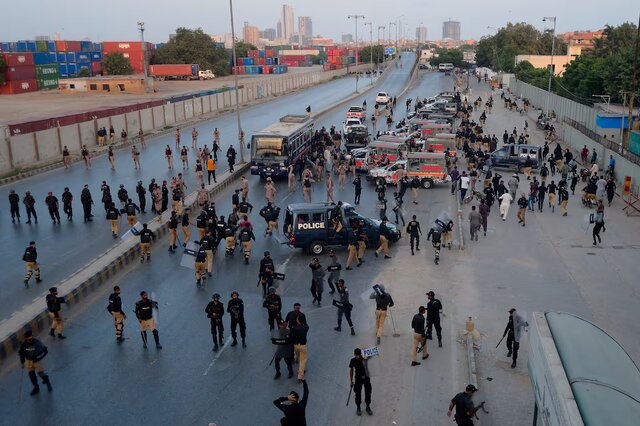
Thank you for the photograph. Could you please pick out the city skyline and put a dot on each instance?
(71, 22)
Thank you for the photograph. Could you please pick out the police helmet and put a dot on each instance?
(272, 290)
(235, 292)
(216, 296)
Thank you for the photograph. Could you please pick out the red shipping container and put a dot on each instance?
(134, 55)
(18, 86)
(18, 59)
(271, 53)
(124, 46)
(239, 61)
(25, 72)
(74, 46)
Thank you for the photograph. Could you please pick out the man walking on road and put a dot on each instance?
(52, 204)
(113, 216)
(33, 352)
(281, 337)
(144, 313)
(484, 214)
(419, 336)
(235, 307)
(505, 203)
(513, 331)
(464, 407)
(115, 309)
(87, 202)
(414, 231)
(299, 339)
(344, 307)
(434, 306)
(54, 306)
(475, 222)
(29, 203)
(385, 236)
(215, 312)
(383, 302)
(67, 206)
(522, 208)
(30, 257)
(359, 377)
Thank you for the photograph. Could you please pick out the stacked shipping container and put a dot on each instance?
(259, 62)
(339, 57)
(134, 50)
(20, 76)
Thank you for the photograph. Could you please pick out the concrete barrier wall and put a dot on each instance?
(21, 150)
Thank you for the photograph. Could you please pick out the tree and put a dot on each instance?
(367, 51)
(116, 64)
(538, 77)
(84, 72)
(242, 48)
(320, 58)
(193, 47)
(3, 69)
(453, 56)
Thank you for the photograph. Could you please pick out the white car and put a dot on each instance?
(206, 75)
(382, 98)
(388, 174)
(350, 122)
(357, 112)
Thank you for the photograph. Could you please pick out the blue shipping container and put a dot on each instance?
(96, 56)
(63, 75)
(62, 70)
(83, 57)
(71, 57)
(86, 46)
(21, 46)
(41, 58)
(97, 47)
(4, 46)
(247, 61)
(51, 46)
(53, 57)
(269, 61)
(62, 58)
(262, 53)
(72, 69)
(32, 46)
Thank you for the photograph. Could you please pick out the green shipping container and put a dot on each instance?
(47, 83)
(47, 71)
(42, 46)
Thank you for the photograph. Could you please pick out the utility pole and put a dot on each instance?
(356, 17)
(634, 82)
(235, 82)
(370, 24)
(144, 56)
(383, 43)
(396, 26)
(553, 46)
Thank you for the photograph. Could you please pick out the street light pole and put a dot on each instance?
(235, 82)
(370, 24)
(356, 17)
(380, 27)
(144, 56)
(553, 46)
(396, 26)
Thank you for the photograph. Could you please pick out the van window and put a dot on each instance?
(318, 217)
(512, 150)
(501, 153)
(303, 218)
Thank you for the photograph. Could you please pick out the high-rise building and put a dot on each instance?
(250, 34)
(421, 34)
(279, 30)
(451, 30)
(305, 27)
(228, 40)
(288, 28)
(347, 38)
(268, 33)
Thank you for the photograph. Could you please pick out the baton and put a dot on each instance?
(349, 397)
(272, 358)
(500, 341)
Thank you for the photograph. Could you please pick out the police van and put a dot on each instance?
(311, 226)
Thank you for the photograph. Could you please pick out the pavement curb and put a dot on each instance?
(125, 253)
(460, 220)
(472, 378)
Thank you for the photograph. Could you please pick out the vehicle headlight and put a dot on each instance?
(282, 164)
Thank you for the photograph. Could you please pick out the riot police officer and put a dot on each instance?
(215, 312)
(201, 223)
(173, 231)
(244, 207)
(201, 266)
(207, 243)
(265, 274)
(131, 209)
(245, 236)
(334, 271)
(434, 306)
(144, 313)
(273, 303)
(113, 215)
(317, 278)
(414, 231)
(30, 257)
(383, 302)
(284, 348)
(115, 309)
(33, 351)
(146, 235)
(344, 307)
(54, 305)
(235, 307)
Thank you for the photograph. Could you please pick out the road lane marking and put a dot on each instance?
(215, 358)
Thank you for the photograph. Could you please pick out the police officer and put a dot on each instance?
(245, 236)
(362, 242)
(273, 303)
(358, 378)
(435, 234)
(513, 331)
(245, 207)
(33, 351)
(235, 307)
(414, 231)
(419, 338)
(123, 195)
(352, 248)
(54, 305)
(146, 235)
(87, 202)
(29, 203)
(266, 263)
(281, 337)
(383, 302)
(14, 204)
(434, 306)
(299, 332)
(230, 239)
(30, 257)
(67, 206)
(115, 309)
(201, 222)
(176, 198)
(235, 199)
(344, 307)
(144, 313)
(415, 184)
(270, 215)
(131, 209)
(141, 196)
(173, 231)
(113, 215)
(385, 236)
(292, 316)
(185, 226)
(357, 184)
(201, 266)
(464, 406)
(334, 271)
(215, 312)
(207, 243)
(317, 280)
(52, 204)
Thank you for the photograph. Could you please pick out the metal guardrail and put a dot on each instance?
(609, 144)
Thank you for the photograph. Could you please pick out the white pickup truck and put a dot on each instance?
(382, 98)
(206, 75)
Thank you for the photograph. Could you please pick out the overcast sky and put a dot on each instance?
(116, 19)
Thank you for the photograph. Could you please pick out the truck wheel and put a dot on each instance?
(317, 248)
(427, 183)
(381, 181)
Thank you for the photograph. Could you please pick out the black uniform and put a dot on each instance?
(357, 183)
(265, 274)
(434, 306)
(464, 405)
(294, 414)
(31, 255)
(245, 207)
(414, 231)
(141, 197)
(115, 305)
(87, 202)
(215, 312)
(14, 203)
(284, 349)
(144, 312)
(344, 308)
(34, 350)
(54, 306)
(52, 204)
(273, 303)
(361, 378)
(67, 207)
(235, 307)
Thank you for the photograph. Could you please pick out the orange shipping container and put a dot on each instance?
(124, 46)
(18, 86)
